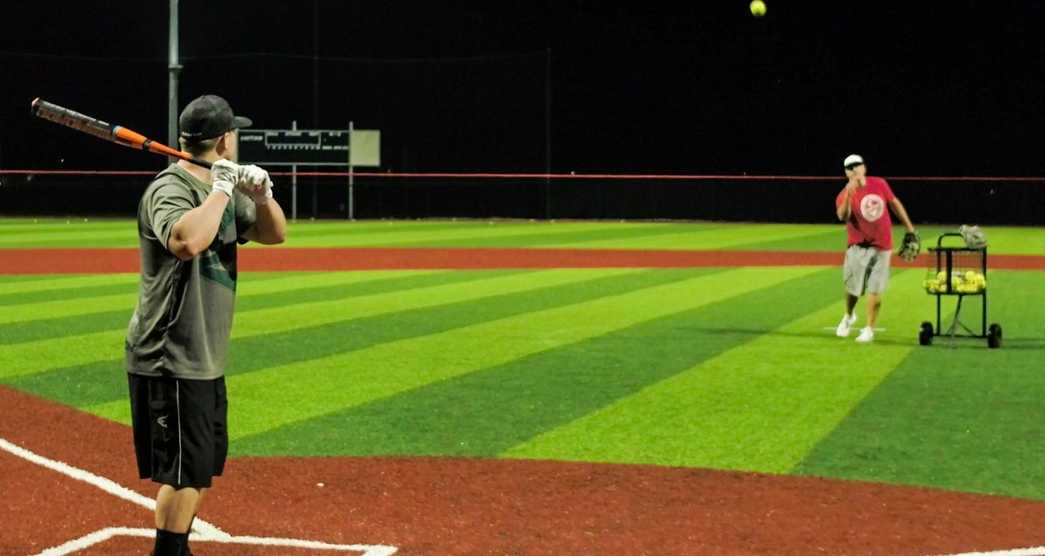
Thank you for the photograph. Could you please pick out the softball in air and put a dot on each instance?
(758, 8)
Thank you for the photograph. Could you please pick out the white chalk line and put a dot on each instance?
(206, 532)
(107, 485)
(108, 533)
(202, 530)
(1033, 551)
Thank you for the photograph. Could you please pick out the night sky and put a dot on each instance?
(919, 88)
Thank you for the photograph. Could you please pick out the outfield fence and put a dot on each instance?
(756, 198)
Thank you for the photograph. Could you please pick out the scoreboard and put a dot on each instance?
(312, 147)
(287, 147)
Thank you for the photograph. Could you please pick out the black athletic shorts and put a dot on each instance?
(180, 433)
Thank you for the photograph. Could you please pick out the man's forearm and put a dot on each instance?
(843, 210)
(197, 228)
(271, 223)
(901, 212)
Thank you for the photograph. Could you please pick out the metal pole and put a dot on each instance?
(294, 183)
(351, 177)
(547, 133)
(173, 68)
(315, 96)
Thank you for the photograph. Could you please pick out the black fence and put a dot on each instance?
(984, 201)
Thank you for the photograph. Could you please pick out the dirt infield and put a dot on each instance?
(68, 477)
(87, 261)
(472, 506)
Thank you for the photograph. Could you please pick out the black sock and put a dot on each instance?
(186, 551)
(169, 543)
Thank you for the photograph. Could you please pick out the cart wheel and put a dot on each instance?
(994, 336)
(925, 334)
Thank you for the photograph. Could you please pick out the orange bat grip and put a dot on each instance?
(135, 139)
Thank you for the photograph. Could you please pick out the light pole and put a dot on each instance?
(173, 68)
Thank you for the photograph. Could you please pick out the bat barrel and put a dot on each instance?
(70, 118)
(103, 130)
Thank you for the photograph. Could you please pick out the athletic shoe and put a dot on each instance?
(866, 335)
(843, 327)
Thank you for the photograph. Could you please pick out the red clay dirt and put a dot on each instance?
(476, 506)
(89, 261)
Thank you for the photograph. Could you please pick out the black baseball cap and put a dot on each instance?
(207, 117)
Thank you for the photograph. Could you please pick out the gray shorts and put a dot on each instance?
(866, 270)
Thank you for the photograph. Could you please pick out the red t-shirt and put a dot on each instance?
(869, 221)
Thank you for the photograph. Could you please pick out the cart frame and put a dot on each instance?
(945, 262)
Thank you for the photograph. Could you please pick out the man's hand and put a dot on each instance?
(255, 182)
(858, 178)
(224, 176)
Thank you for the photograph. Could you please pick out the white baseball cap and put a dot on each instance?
(852, 160)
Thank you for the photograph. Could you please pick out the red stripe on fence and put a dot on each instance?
(541, 176)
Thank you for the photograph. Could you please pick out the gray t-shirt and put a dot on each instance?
(182, 322)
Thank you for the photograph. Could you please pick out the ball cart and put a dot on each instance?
(957, 271)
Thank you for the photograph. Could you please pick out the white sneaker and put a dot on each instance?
(843, 327)
(866, 335)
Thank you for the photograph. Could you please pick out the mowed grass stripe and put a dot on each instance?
(314, 342)
(828, 240)
(456, 287)
(6, 279)
(44, 329)
(99, 348)
(37, 327)
(51, 311)
(96, 380)
(705, 237)
(368, 226)
(72, 237)
(114, 242)
(49, 282)
(1014, 240)
(1018, 240)
(562, 235)
(257, 294)
(124, 234)
(68, 295)
(955, 416)
(472, 390)
(310, 230)
(399, 362)
(422, 236)
(11, 279)
(290, 288)
(67, 307)
(834, 239)
(761, 405)
(60, 284)
(62, 226)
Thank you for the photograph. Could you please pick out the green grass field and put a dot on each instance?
(725, 368)
(61, 232)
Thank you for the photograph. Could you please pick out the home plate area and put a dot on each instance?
(69, 486)
(127, 540)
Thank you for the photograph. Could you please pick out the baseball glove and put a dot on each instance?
(973, 236)
(911, 246)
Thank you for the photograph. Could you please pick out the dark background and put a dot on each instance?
(919, 88)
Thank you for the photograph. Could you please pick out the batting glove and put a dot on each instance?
(255, 182)
(224, 176)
